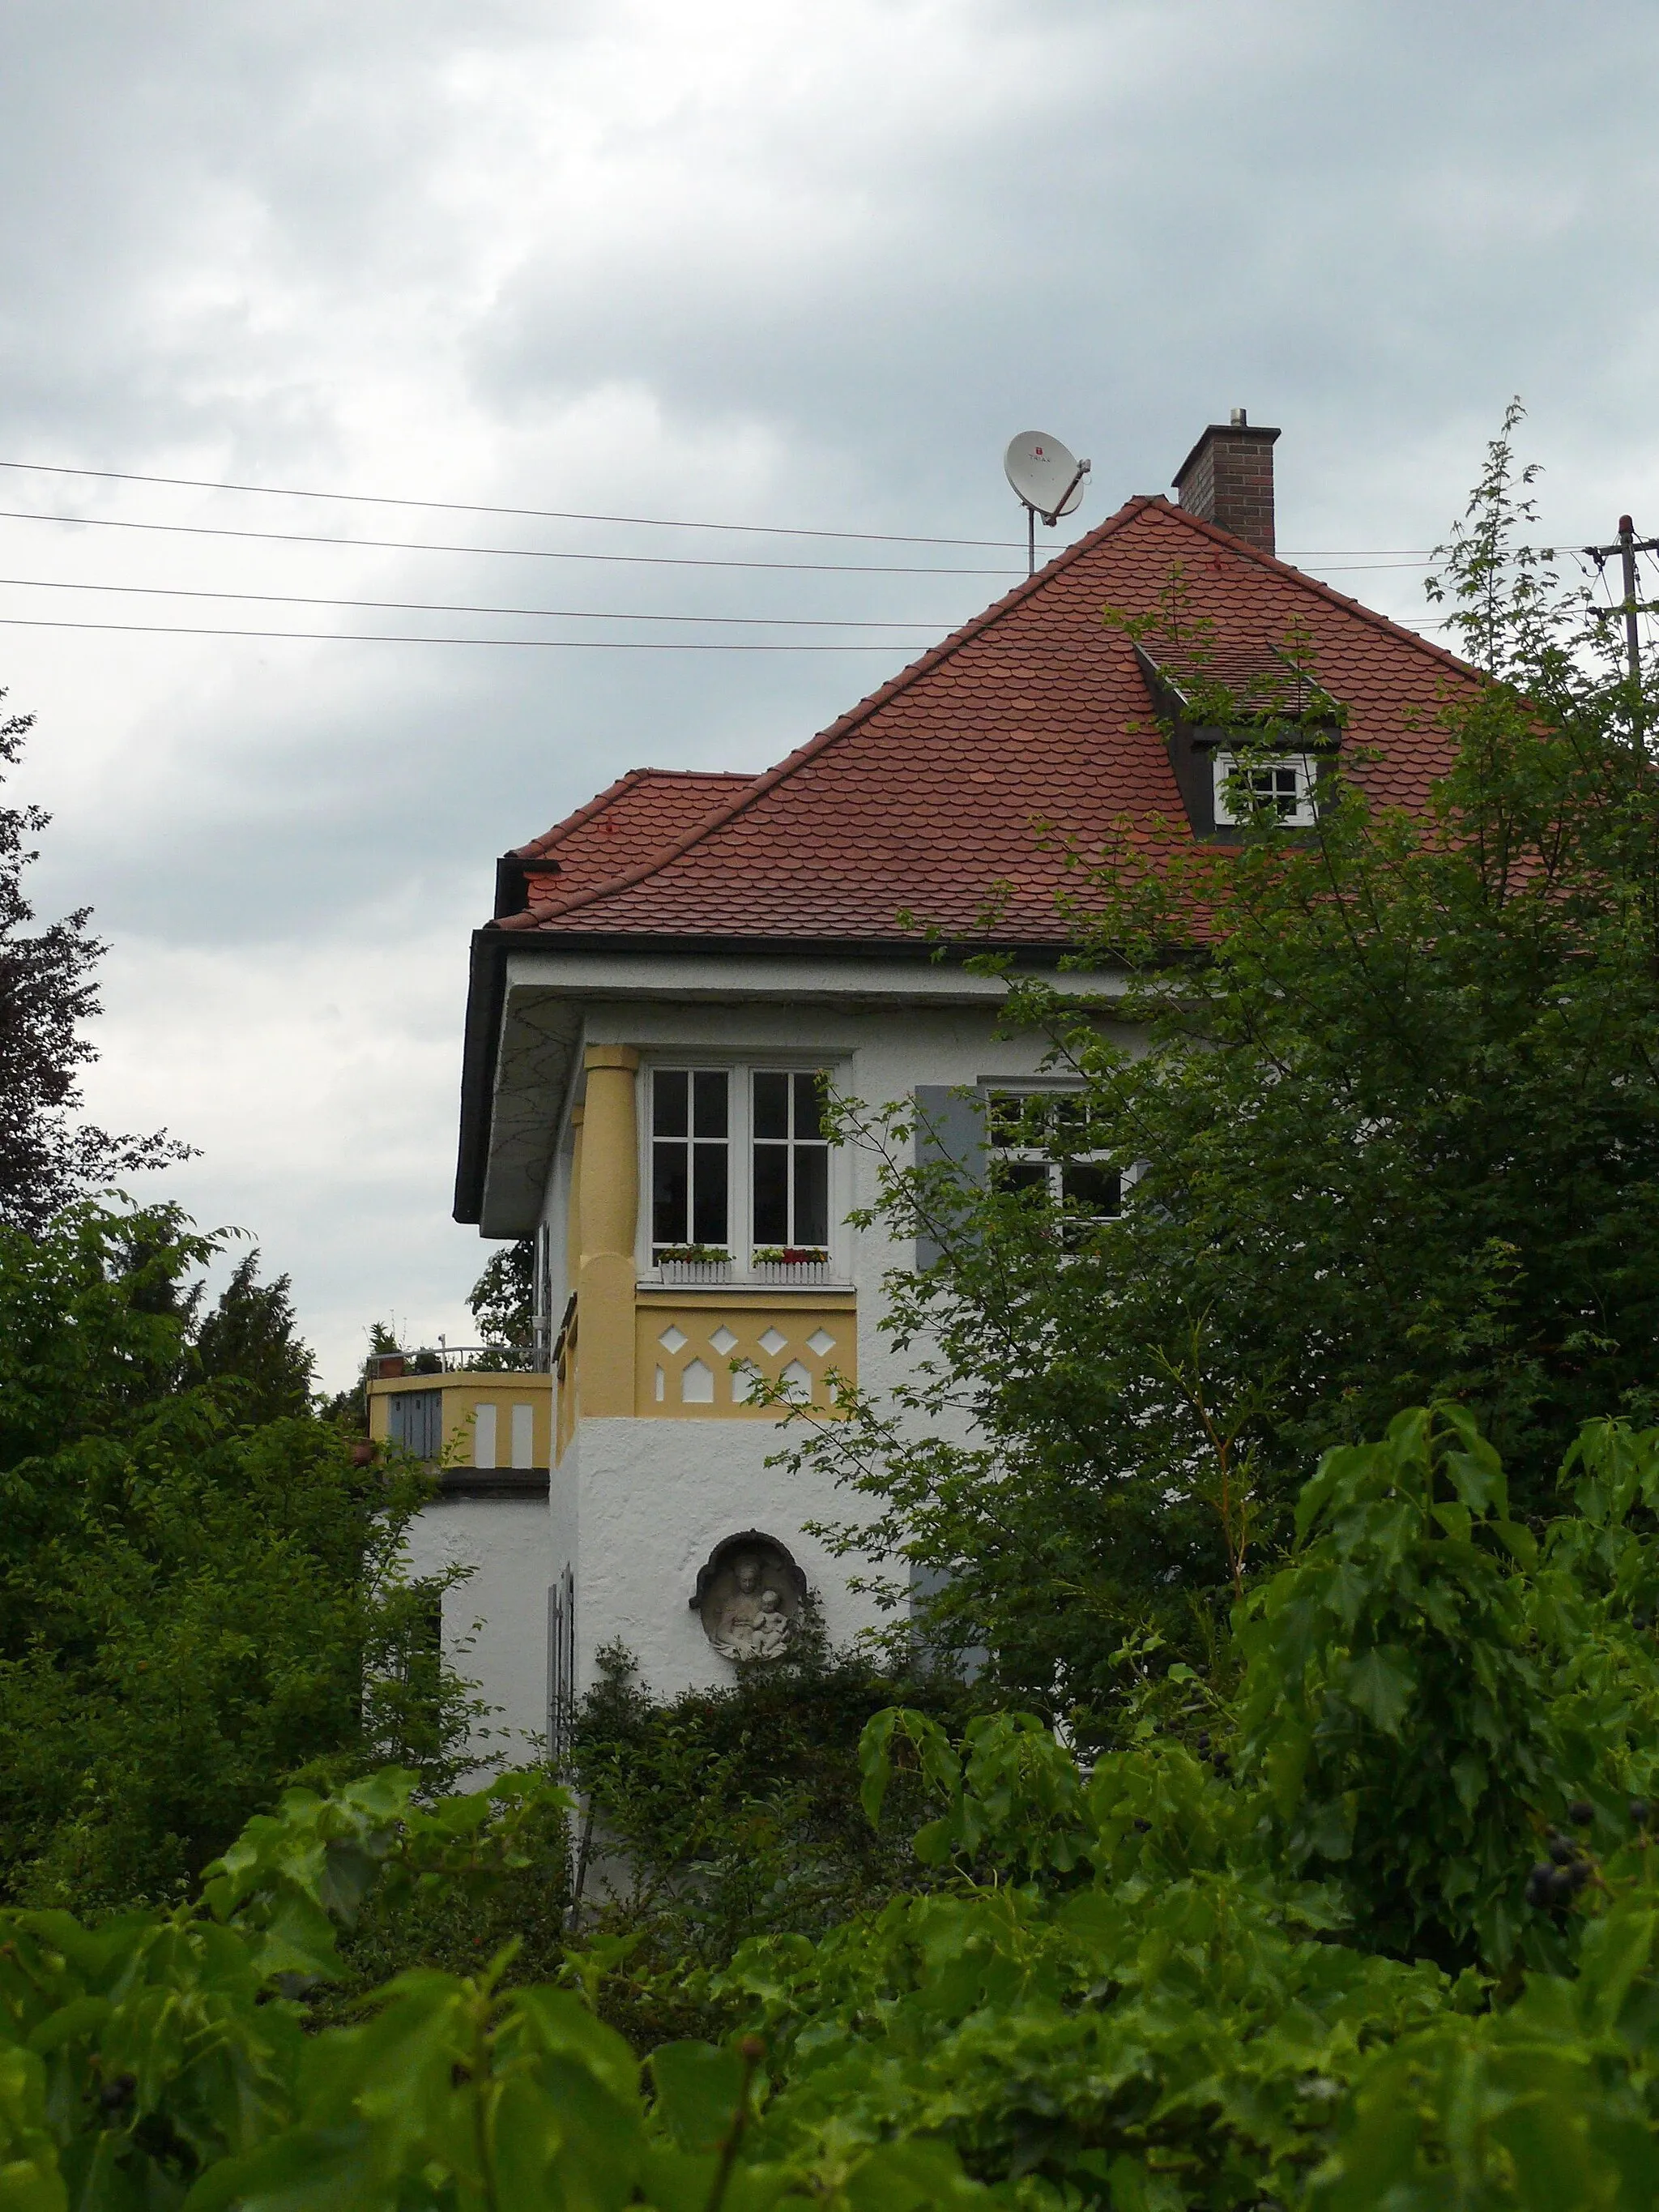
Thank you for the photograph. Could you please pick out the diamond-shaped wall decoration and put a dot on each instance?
(671, 1339)
(723, 1341)
(820, 1341)
(772, 1343)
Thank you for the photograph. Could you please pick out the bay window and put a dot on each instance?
(740, 1163)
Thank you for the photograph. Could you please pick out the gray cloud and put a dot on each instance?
(755, 261)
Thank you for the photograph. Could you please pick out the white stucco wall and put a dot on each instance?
(496, 1621)
(652, 1499)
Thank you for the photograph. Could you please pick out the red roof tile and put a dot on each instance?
(640, 816)
(1031, 721)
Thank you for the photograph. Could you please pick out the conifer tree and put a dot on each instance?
(48, 1156)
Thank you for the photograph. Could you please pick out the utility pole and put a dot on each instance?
(1626, 545)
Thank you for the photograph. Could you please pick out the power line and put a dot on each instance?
(443, 607)
(510, 552)
(632, 521)
(376, 637)
(529, 513)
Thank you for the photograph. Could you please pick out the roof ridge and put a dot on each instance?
(912, 673)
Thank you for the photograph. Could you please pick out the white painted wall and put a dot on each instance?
(495, 1622)
(652, 1499)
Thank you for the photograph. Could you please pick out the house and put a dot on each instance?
(669, 972)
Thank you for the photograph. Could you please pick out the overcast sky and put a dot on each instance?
(755, 261)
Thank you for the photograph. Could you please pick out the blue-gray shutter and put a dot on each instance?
(415, 1420)
(927, 1583)
(949, 1125)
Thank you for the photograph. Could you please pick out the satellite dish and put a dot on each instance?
(1045, 474)
(1047, 478)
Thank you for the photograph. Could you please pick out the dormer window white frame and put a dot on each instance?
(736, 1160)
(1255, 790)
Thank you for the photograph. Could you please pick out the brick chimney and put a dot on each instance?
(1228, 479)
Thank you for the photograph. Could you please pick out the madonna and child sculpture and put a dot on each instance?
(749, 1595)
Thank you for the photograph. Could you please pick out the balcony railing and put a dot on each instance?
(458, 1359)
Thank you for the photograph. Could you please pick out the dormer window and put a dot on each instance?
(1256, 765)
(1254, 791)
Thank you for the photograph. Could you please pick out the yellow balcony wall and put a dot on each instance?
(685, 1341)
(463, 1395)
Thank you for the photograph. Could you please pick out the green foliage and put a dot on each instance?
(249, 1336)
(1384, 1094)
(1111, 1986)
(192, 1608)
(1425, 1684)
(719, 1814)
(502, 1879)
(504, 1299)
(49, 1154)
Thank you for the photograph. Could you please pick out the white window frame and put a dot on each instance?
(690, 1068)
(1300, 816)
(740, 1142)
(1039, 1154)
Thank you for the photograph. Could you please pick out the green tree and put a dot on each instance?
(193, 1605)
(1383, 1097)
(48, 990)
(251, 1336)
(503, 1301)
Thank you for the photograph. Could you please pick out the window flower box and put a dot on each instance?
(791, 1263)
(694, 1263)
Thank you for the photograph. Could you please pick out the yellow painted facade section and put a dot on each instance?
(463, 1395)
(659, 1352)
(607, 1199)
(685, 1342)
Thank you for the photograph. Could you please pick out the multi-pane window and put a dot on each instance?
(690, 1157)
(1040, 1144)
(791, 1160)
(739, 1162)
(1250, 789)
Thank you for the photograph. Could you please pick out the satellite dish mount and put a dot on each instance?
(1047, 481)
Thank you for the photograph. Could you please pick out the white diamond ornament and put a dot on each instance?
(771, 1344)
(820, 1341)
(723, 1341)
(671, 1339)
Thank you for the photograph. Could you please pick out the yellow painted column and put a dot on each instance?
(607, 1207)
(573, 1215)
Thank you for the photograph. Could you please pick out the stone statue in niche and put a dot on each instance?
(749, 1595)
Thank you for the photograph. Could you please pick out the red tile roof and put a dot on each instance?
(1032, 721)
(640, 816)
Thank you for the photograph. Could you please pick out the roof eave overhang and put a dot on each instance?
(497, 954)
